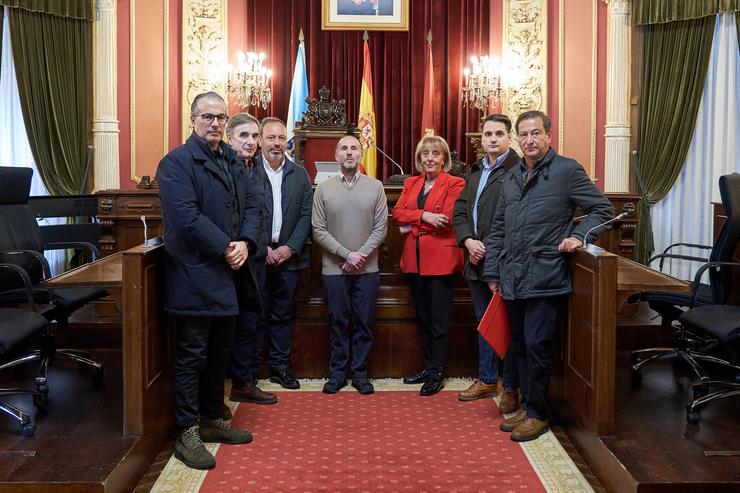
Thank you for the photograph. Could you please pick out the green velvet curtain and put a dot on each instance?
(671, 94)
(74, 9)
(662, 11)
(53, 57)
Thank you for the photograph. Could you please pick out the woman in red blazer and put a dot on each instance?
(430, 255)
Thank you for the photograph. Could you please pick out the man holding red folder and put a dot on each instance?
(472, 216)
(527, 260)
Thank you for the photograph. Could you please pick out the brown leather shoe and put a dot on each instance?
(509, 424)
(509, 401)
(226, 412)
(529, 429)
(478, 390)
(249, 392)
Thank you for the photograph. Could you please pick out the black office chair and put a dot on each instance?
(17, 325)
(671, 305)
(21, 244)
(723, 323)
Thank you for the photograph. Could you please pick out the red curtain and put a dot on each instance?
(460, 28)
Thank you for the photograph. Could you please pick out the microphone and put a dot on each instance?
(627, 210)
(397, 178)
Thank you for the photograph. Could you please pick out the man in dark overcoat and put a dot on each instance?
(211, 223)
(527, 258)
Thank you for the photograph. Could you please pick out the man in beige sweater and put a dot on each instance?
(350, 221)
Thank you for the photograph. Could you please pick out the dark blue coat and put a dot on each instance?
(197, 211)
(532, 219)
(297, 202)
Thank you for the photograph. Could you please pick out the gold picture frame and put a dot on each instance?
(365, 15)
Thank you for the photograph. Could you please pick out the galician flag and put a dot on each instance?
(366, 118)
(298, 93)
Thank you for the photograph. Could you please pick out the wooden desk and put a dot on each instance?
(147, 352)
(583, 369)
(633, 278)
(105, 273)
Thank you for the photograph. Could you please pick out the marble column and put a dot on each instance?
(617, 130)
(105, 121)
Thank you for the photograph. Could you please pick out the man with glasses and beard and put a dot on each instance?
(350, 221)
(211, 224)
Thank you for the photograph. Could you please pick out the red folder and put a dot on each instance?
(494, 326)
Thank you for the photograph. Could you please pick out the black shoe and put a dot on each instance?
(363, 386)
(432, 386)
(420, 377)
(285, 379)
(334, 385)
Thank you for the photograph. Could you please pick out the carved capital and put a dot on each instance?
(105, 5)
(622, 7)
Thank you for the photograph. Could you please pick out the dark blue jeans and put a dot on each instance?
(532, 323)
(203, 346)
(488, 361)
(277, 285)
(350, 301)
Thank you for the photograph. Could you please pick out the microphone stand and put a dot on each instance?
(590, 247)
(397, 178)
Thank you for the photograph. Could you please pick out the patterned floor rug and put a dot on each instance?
(391, 441)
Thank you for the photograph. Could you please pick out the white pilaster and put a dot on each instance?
(617, 130)
(105, 121)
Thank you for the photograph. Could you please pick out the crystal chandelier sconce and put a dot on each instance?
(482, 87)
(249, 83)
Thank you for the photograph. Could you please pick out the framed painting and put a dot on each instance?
(361, 15)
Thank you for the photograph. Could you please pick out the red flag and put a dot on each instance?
(494, 326)
(427, 111)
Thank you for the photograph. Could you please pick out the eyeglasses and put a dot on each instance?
(208, 118)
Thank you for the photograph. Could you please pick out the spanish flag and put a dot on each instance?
(366, 118)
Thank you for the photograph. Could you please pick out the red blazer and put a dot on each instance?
(438, 249)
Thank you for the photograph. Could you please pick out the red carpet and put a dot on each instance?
(388, 441)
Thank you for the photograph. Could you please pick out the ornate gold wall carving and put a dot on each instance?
(204, 48)
(525, 52)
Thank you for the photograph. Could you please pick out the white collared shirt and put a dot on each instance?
(276, 182)
(351, 182)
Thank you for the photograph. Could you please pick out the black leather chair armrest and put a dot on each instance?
(32, 253)
(700, 272)
(24, 276)
(663, 256)
(76, 245)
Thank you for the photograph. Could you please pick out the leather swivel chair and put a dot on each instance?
(723, 323)
(17, 325)
(21, 244)
(672, 305)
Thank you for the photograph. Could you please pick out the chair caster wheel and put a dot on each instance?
(635, 378)
(97, 376)
(700, 391)
(28, 430)
(693, 416)
(41, 401)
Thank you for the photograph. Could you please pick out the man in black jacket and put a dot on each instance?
(287, 203)
(527, 258)
(211, 223)
(472, 218)
(243, 135)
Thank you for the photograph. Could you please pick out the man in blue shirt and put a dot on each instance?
(474, 211)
